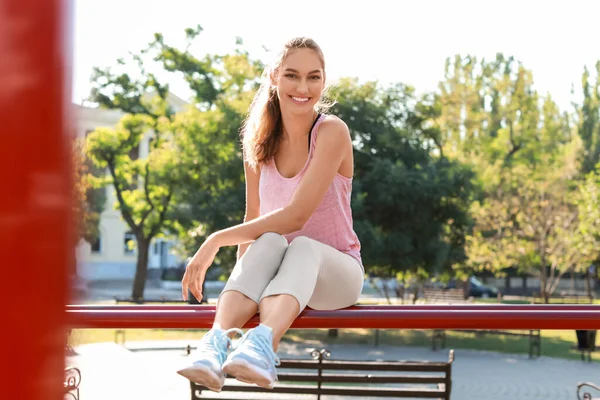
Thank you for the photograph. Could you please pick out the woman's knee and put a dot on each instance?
(271, 240)
(266, 245)
(301, 243)
(306, 249)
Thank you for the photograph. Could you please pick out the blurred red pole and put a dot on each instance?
(35, 197)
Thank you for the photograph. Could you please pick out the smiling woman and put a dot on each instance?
(297, 245)
(294, 85)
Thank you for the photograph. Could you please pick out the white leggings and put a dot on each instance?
(316, 274)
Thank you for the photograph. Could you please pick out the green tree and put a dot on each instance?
(88, 203)
(207, 137)
(488, 115)
(589, 119)
(144, 187)
(196, 182)
(589, 217)
(213, 187)
(489, 110)
(531, 219)
(410, 207)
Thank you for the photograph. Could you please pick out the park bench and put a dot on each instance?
(444, 296)
(456, 296)
(565, 298)
(535, 339)
(319, 377)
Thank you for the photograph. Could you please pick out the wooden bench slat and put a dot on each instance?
(275, 396)
(431, 295)
(506, 333)
(398, 366)
(355, 378)
(342, 390)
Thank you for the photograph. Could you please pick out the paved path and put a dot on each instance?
(113, 372)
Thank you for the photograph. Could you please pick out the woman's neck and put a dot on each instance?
(296, 126)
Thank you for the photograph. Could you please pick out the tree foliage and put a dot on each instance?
(88, 203)
(410, 207)
(482, 174)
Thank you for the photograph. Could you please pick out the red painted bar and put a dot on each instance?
(35, 203)
(558, 317)
(446, 307)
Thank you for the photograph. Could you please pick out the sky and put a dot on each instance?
(385, 40)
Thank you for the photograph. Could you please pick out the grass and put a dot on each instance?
(554, 343)
(87, 336)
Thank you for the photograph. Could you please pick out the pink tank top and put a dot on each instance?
(331, 223)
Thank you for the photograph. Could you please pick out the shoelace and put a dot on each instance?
(260, 343)
(217, 345)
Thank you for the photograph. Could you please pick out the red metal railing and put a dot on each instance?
(378, 317)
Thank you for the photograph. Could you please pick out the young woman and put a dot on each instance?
(297, 245)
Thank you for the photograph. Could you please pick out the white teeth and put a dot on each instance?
(301, 99)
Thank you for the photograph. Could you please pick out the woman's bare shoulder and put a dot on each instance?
(334, 126)
(333, 121)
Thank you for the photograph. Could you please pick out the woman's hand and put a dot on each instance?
(196, 269)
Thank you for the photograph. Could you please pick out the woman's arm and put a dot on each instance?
(333, 143)
(252, 178)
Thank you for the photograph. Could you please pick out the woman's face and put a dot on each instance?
(300, 81)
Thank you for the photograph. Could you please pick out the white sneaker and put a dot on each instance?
(209, 357)
(253, 360)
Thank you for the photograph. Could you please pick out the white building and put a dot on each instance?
(110, 258)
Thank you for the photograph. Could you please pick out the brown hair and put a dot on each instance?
(262, 128)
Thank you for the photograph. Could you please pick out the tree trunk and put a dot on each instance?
(416, 293)
(386, 293)
(588, 284)
(544, 285)
(546, 297)
(76, 294)
(596, 273)
(400, 292)
(141, 269)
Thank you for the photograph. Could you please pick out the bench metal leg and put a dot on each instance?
(535, 344)
(438, 335)
(586, 355)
